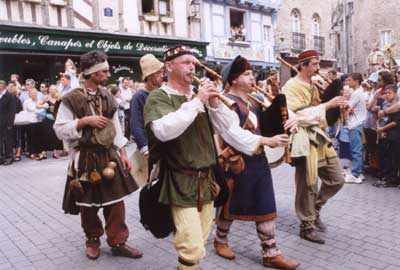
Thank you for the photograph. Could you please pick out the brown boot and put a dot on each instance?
(223, 250)
(185, 265)
(93, 248)
(123, 250)
(279, 262)
(309, 234)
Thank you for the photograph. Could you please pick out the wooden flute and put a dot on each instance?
(227, 101)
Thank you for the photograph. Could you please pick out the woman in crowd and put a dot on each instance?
(35, 141)
(50, 140)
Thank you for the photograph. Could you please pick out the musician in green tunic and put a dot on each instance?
(180, 138)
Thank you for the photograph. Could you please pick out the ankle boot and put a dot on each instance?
(123, 250)
(308, 233)
(92, 248)
(185, 265)
(280, 262)
(224, 250)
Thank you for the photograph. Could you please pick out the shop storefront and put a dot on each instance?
(40, 53)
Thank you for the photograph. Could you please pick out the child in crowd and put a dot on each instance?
(357, 110)
(390, 132)
(343, 138)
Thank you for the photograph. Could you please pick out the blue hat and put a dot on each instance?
(373, 77)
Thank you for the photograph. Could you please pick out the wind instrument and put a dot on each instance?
(283, 61)
(227, 101)
(266, 94)
(209, 70)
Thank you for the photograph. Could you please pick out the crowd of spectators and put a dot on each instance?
(368, 137)
(27, 115)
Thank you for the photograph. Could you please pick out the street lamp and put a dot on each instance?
(194, 9)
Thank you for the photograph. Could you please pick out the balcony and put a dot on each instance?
(298, 41)
(238, 37)
(319, 44)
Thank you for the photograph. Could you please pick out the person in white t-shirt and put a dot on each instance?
(357, 107)
(126, 95)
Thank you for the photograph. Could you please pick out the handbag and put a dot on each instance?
(105, 136)
(231, 160)
(25, 118)
(155, 216)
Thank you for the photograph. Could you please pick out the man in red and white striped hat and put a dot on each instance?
(311, 148)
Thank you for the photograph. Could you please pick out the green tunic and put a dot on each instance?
(193, 149)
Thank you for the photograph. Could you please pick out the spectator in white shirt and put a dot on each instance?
(29, 84)
(65, 84)
(357, 107)
(126, 95)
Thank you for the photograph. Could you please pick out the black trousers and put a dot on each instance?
(35, 139)
(371, 146)
(127, 114)
(393, 152)
(6, 143)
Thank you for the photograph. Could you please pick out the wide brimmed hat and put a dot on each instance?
(149, 65)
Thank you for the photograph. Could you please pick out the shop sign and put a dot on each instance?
(121, 68)
(19, 40)
(108, 12)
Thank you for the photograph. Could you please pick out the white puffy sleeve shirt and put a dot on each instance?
(225, 122)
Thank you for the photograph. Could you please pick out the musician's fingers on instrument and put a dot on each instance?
(289, 124)
(204, 80)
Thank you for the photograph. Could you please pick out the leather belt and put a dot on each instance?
(200, 175)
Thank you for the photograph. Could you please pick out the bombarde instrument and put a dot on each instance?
(332, 90)
(228, 102)
(265, 93)
(283, 61)
(209, 70)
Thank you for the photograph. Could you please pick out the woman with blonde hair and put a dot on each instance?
(33, 105)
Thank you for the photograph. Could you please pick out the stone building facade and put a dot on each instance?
(359, 26)
(240, 27)
(37, 36)
(305, 24)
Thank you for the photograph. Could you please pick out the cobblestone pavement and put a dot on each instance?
(363, 232)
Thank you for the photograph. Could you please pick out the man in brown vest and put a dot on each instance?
(97, 174)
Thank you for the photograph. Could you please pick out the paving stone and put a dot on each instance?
(35, 234)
